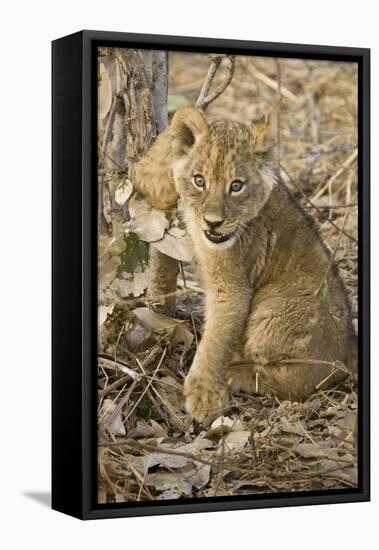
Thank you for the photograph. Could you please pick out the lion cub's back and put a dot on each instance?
(153, 176)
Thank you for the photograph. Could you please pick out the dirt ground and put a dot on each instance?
(149, 449)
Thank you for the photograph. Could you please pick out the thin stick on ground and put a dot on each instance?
(147, 385)
(132, 443)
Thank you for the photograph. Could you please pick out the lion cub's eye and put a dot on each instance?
(199, 181)
(236, 186)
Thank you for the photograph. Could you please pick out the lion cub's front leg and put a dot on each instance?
(205, 387)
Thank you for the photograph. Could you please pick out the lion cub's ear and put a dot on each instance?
(187, 126)
(262, 133)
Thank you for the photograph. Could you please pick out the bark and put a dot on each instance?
(164, 268)
(139, 112)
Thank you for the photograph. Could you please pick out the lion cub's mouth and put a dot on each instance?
(216, 238)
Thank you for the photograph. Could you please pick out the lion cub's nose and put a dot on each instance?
(213, 223)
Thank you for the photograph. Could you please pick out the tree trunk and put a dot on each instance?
(139, 112)
(164, 269)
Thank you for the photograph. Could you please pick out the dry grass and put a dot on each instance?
(149, 449)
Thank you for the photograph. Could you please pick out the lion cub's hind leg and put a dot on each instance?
(290, 348)
(292, 382)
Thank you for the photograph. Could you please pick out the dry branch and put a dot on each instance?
(207, 95)
(274, 85)
(328, 185)
(132, 443)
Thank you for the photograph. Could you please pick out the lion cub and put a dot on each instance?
(274, 299)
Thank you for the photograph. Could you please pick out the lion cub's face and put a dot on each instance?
(220, 174)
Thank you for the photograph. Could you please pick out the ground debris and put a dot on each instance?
(150, 449)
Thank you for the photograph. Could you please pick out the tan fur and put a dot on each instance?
(153, 172)
(263, 299)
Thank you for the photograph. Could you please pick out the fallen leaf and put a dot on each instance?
(168, 481)
(171, 461)
(292, 427)
(157, 322)
(181, 333)
(197, 446)
(332, 411)
(236, 441)
(138, 207)
(179, 248)
(142, 429)
(117, 425)
(309, 450)
(221, 426)
(348, 421)
(346, 474)
(200, 477)
(103, 312)
(123, 192)
(141, 463)
(169, 494)
(176, 232)
(158, 429)
(150, 226)
(132, 284)
(175, 329)
(138, 338)
(312, 405)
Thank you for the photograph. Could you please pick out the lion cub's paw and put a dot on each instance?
(206, 397)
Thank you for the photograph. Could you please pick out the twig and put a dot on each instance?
(169, 412)
(118, 408)
(273, 84)
(331, 260)
(108, 362)
(320, 384)
(313, 205)
(147, 385)
(109, 419)
(109, 389)
(125, 302)
(206, 94)
(152, 449)
(328, 185)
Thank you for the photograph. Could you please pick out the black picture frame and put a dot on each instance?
(74, 272)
